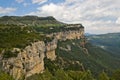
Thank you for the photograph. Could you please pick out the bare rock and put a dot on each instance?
(28, 62)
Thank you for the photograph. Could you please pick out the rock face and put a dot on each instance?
(30, 60)
(69, 35)
(72, 31)
(50, 49)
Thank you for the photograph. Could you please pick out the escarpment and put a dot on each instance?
(71, 31)
(30, 60)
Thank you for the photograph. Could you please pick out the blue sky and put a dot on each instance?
(98, 16)
(23, 7)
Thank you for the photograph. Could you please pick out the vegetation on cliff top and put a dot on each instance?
(28, 20)
(18, 32)
(13, 36)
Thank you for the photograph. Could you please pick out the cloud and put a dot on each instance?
(98, 16)
(6, 10)
(39, 1)
(19, 1)
(26, 4)
(118, 21)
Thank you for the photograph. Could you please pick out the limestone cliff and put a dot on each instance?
(71, 31)
(30, 60)
(50, 49)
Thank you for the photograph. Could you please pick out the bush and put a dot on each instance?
(4, 76)
(9, 54)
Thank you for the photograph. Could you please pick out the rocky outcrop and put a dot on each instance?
(50, 49)
(69, 35)
(68, 48)
(28, 62)
(70, 32)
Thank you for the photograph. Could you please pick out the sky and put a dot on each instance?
(97, 16)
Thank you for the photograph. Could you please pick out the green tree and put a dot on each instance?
(62, 75)
(75, 75)
(103, 76)
(116, 75)
(87, 75)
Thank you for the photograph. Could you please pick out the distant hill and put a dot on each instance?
(89, 34)
(29, 20)
(109, 42)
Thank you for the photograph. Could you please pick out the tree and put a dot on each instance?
(116, 75)
(103, 76)
(62, 75)
(87, 75)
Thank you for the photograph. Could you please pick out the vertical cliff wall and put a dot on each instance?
(71, 31)
(30, 60)
(50, 49)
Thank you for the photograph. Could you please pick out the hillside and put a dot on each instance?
(109, 42)
(42, 48)
(28, 20)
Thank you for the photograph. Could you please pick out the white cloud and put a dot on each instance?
(19, 1)
(26, 4)
(6, 10)
(39, 1)
(98, 16)
(118, 21)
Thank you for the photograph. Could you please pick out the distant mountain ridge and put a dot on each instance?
(28, 20)
(109, 42)
(89, 34)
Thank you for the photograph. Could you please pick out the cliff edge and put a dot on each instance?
(30, 60)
